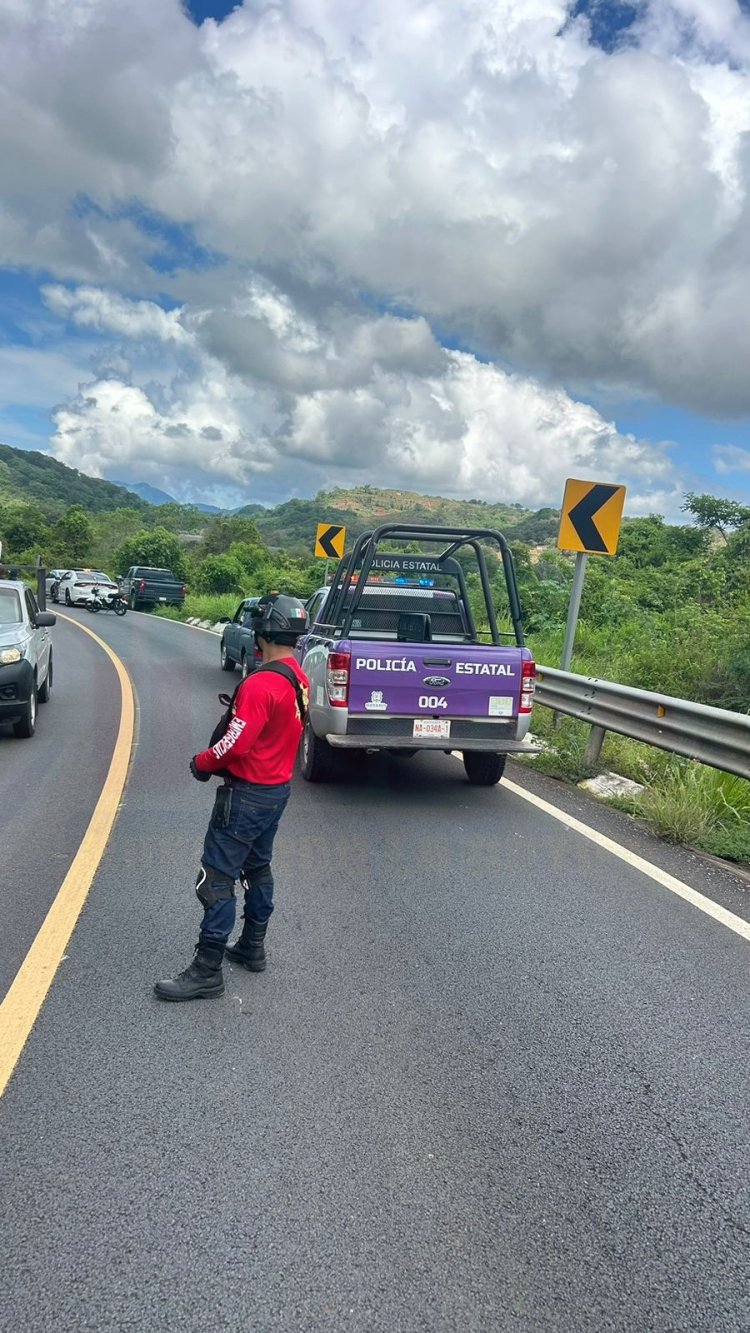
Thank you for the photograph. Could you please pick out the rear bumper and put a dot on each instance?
(488, 746)
(396, 733)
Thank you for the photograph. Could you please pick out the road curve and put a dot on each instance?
(493, 1079)
(49, 786)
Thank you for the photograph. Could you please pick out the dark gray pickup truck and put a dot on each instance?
(144, 586)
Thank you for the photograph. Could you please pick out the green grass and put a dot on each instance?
(203, 606)
(683, 802)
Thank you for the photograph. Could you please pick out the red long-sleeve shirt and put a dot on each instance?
(261, 742)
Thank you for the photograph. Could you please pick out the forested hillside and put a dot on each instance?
(27, 477)
(293, 524)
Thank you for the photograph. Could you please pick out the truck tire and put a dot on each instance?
(26, 724)
(315, 757)
(133, 602)
(227, 664)
(44, 690)
(483, 770)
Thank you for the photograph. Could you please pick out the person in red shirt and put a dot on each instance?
(254, 753)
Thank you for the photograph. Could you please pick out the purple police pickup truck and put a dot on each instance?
(397, 662)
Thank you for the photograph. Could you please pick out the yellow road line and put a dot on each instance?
(21, 1006)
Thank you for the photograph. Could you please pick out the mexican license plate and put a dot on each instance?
(435, 727)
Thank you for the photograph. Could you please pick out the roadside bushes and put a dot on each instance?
(218, 574)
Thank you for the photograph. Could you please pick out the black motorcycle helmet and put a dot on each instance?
(279, 619)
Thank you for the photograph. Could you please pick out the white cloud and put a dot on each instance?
(347, 402)
(730, 458)
(380, 177)
(106, 312)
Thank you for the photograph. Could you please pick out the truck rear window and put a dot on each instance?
(378, 613)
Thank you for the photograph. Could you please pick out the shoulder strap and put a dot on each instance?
(282, 669)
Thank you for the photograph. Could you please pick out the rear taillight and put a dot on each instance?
(184, 589)
(528, 674)
(142, 585)
(337, 679)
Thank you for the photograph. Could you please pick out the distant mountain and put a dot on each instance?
(29, 477)
(153, 496)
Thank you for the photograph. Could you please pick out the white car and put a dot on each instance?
(75, 587)
(52, 576)
(25, 656)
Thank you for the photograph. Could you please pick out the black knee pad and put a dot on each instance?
(212, 887)
(256, 878)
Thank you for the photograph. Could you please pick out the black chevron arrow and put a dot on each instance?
(326, 540)
(582, 517)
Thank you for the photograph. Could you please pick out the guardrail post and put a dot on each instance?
(594, 746)
(41, 585)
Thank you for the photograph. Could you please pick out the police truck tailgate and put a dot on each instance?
(434, 681)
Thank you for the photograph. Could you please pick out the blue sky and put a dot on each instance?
(209, 9)
(326, 245)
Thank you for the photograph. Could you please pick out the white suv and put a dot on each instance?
(25, 656)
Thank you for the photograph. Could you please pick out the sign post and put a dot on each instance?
(579, 573)
(589, 525)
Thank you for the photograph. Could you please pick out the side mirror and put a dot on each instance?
(44, 618)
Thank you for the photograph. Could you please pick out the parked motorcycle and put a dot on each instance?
(107, 601)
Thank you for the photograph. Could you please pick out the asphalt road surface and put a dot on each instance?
(49, 785)
(493, 1078)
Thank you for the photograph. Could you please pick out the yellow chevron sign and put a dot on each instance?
(591, 517)
(330, 541)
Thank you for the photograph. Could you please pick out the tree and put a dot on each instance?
(709, 511)
(218, 574)
(23, 527)
(179, 518)
(224, 532)
(73, 536)
(158, 548)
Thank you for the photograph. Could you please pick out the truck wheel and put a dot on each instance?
(44, 690)
(133, 602)
(26, 724)
(483, 770)
(226, 662)
(316, 756)
(243, 666)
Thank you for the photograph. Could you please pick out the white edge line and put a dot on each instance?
(667, 881)
(169, 621)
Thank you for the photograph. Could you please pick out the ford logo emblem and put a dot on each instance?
(438, 681)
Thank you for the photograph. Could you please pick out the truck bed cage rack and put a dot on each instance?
(361, 558)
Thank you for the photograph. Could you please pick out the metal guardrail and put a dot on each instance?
(713, 736)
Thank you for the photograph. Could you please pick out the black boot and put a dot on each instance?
(203, 979)
(249, 950)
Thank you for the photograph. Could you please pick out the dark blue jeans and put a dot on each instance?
(239, 843)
